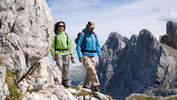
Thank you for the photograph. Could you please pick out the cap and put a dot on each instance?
(91, 24)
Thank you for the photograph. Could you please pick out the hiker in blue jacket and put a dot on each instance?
(87, 47)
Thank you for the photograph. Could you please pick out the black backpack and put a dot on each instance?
(76, 40)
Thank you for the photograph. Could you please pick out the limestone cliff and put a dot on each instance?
(137, 65)
(26, 33)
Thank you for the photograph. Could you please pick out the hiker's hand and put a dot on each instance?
(100, 59)
(54, 58)
(72, 56)
(81, 60)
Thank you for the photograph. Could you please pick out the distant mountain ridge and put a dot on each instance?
(137, 65)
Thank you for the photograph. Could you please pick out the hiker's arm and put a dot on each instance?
(78, 47)
(98, 49)
(52, 47)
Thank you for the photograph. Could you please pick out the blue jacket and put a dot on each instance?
(90, 43)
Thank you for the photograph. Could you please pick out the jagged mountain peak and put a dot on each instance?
(170, 38)
(135, 65)
(115, 38)
(146, 35)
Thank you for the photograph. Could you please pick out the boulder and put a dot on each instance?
(100, 96)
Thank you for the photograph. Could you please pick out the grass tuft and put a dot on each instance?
(82, 92)
(15, 93)
(1, 60)
(109, 97)
(75, 87)
(140, 97)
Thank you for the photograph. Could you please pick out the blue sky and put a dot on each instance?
(126, 17)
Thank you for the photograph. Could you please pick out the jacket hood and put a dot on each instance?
(87, 31)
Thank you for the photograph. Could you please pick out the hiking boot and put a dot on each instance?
(65, 83)
(96, 88)
(85, 87)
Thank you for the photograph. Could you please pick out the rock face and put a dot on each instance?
(36, 96)
(145, 97)
(26, 33)
(169, 40)
(43, 78)
(81, 94)
(63, 94)
(171, 37)
(138, 65)
(3, 86)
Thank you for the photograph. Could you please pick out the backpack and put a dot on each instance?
(76, 41)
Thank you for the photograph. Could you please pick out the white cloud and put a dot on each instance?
(126, 19)
(170, 16)
(71, 6)
(133, 17)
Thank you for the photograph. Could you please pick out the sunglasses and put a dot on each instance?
(61, 26)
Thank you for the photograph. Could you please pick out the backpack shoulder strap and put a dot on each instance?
(55, 42)
(83, 39)
(94, 34)
(67, 39)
